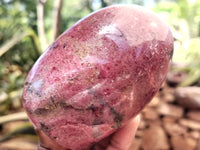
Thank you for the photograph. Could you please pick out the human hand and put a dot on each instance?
(121, 140)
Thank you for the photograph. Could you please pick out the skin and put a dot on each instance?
(96, 76)
(121, 140)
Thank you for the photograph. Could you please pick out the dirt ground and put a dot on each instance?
(165, 125)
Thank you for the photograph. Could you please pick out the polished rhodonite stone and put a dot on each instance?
(98, 74)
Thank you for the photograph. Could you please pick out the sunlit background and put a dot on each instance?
(27, 27)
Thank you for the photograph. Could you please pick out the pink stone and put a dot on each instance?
(98, 74)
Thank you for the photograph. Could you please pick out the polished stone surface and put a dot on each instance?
(98, 74)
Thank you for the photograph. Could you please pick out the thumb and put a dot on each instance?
(123, 138)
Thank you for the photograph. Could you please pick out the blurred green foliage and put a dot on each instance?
(18, 17)
(184, 19)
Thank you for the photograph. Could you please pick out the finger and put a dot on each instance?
(47, 143)
(123, 138)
